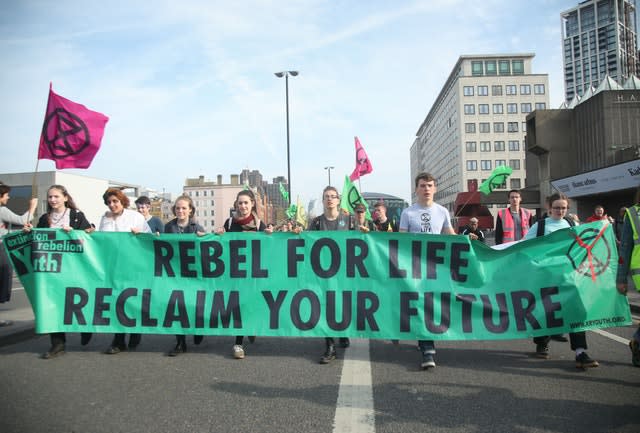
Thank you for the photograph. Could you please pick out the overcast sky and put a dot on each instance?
(190, 90)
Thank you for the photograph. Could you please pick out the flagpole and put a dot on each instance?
(34, 187)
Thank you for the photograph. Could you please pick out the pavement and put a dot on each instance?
(19, 311)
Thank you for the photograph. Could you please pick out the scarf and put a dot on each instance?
(248, 223)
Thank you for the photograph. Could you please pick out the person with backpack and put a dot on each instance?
(558, 206)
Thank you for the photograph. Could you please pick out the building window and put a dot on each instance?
(490, 67)
(470, 128)
(517, 66)
(525, 107)
(483, 90)
(496, 90)
(472, 165)
(467, 90)
(524, 126)
(505, 67)
(525, 89)
(211, 202)
(515, 164)
(485, 127)
(538, 89)
(514, 145)
(515, 183)
(511, 89)
(498, 126)
(483, 108)
(485, 146)
(470, 146)
(476, 68)
(485, 164)
(512, 127)
(498, 146)
(498, 108)
(204, 193)
(469, 109)
(197, 193)
(500, 162)
(541, 106)
(213, 223)
(512, 108)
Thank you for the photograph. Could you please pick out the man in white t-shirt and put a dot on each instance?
(426, 216)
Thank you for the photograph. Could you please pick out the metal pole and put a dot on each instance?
(286, 80)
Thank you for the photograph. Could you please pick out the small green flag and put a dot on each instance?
(284, 192)
(290, 212)
(497, 177)
(351, 197)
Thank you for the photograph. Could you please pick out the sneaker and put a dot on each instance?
(180, 348)
(583, 361)
(115, 349)
(329, 355)
(634, 346)
(542, 351)
(55, 350)
(238, 351)
(428, 361)
(344, 342)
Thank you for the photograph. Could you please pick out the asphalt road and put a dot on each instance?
(478, 386)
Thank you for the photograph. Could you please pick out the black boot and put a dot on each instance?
(329, 354)
(344, 342)
(55, 350)
(181, 347)
(197, 339)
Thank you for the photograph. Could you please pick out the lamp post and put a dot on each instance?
(286, 74)
(329, 168)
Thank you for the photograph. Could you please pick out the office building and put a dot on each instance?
(477, 122)
(599, 39)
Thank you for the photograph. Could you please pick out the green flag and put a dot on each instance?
(284, 192)
(291, 211)
(497, 177)
(351, 197)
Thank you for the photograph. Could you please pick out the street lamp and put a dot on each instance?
(286, 74)
(329, 168)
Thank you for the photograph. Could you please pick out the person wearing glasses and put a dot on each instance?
(360, 221)
(332, 219)
(558, 206)
(143, 204)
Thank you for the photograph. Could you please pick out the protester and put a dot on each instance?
(629, 265)
(143, 204)
(473, 231)
(245, 220)
(599, 214)
(62, 213)
(380, 219)
(184, 222)
(558, 207)
(513, 222)
(427, 217)
(360, 221)
(332, 219)
(7, 220)
(618, 224)
(119, 218)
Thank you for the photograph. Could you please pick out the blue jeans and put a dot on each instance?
(427, 347)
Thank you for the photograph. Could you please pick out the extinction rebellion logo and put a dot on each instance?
(590, 253)
(40, 251)
(70, 134)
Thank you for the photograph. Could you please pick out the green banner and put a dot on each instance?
(373, 285)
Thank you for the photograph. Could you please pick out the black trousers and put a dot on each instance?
(578, 340)
(119, 340)
(61, 338)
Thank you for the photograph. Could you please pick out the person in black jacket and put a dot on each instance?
(184, 222)
(62, 213)
(245, 219)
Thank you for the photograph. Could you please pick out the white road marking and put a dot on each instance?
(611, 336)
(354, 409)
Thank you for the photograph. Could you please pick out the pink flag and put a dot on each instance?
(363, 165)
(71, 133)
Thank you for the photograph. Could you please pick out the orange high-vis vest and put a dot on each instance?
(508, 228)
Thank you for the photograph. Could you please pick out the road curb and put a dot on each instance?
(20, 335)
